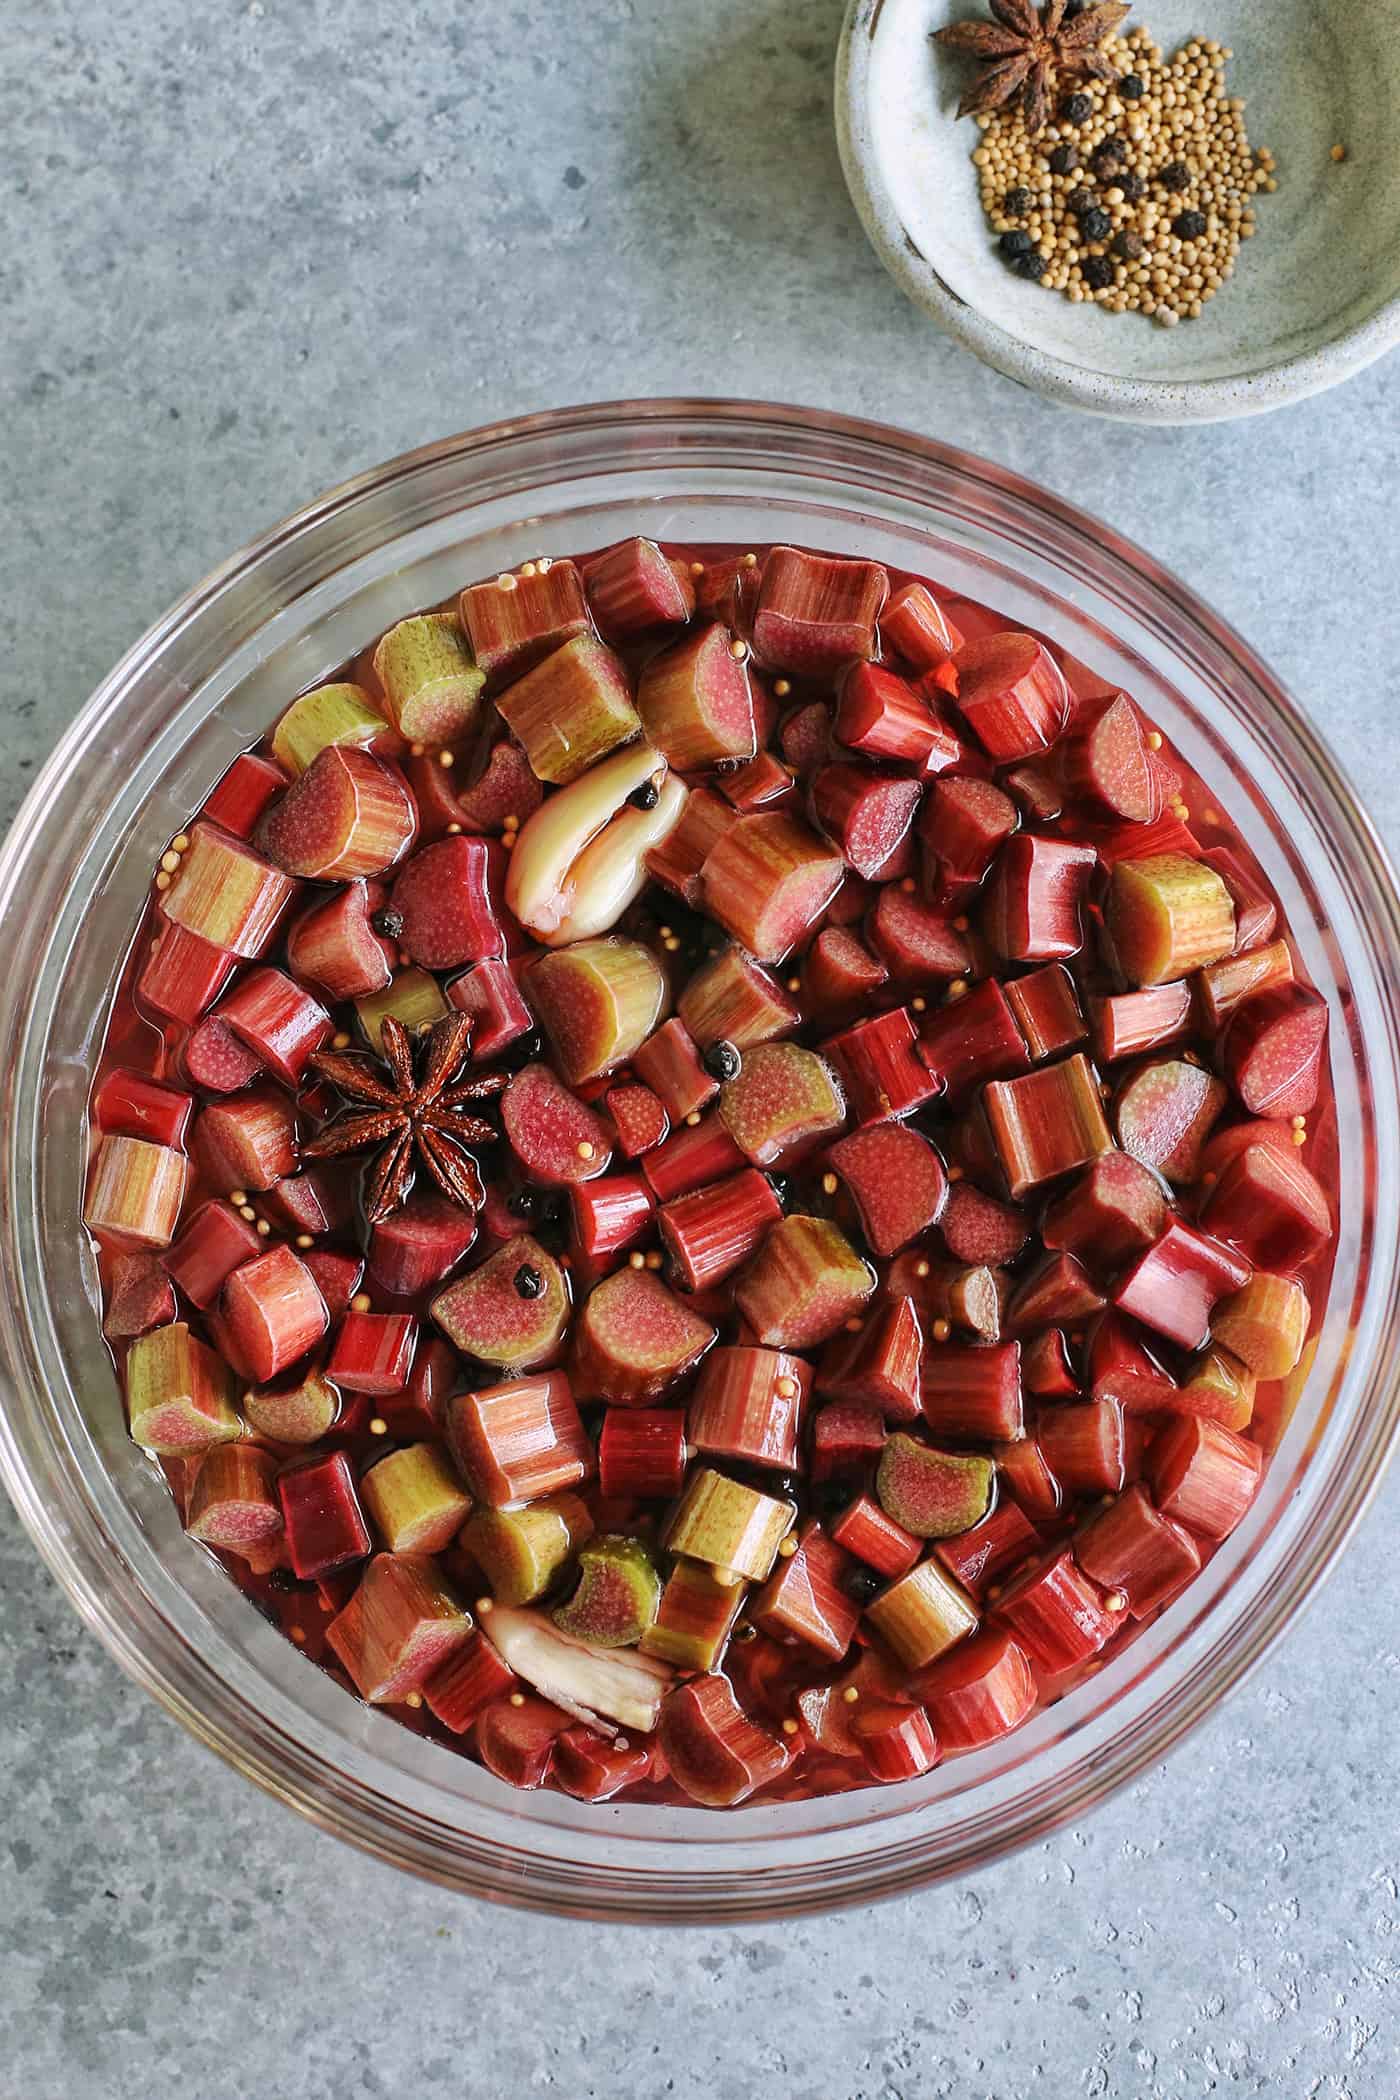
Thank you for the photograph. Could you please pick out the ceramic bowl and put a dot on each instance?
(1316, 294)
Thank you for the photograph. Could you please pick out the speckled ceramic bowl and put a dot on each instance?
(1316, 295)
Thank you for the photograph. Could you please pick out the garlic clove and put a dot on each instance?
(553, 838)
(611, 870)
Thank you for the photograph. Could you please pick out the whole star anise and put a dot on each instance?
(1027, 49)
(410, 1111)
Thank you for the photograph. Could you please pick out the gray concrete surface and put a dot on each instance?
(250, 248)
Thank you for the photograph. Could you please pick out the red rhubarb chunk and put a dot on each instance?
(1130, 1022)
(448, 902)
(973, 1395)
(883, 717)
(373, 1353)
(553, 1134)
(516, 1743)
(696, 702)
(879, 1364)
(244, 793)
(897, 1742)
(917, 944)
(846, 1437)
(816, 614)
(1057, 1615)
(839, 976)
(247, 1143)
(633, 589)
(971, 1040)
(896, 1180)
(638, 1117)
(1173, 1286)
(962, 824)
(1107, 759)
(978, 1692)
(748, 1406)
(714, 1230)
(184, 975)
(634, 1338)
(325, 1525)
(1131, 1547)
(768, 880)
(805, 1600)
(129, 1104)
(1116, 1208)
(1164, 1115)
(1047, 1123)
(139, 1298)
(980, 1231)
(1047, 1010)
(337, 947)
(506, 788)
(868, 1532)
(1082, 1442)
(714, 1752)
(348, 815)
(864, 814)
(880, 1067)
(1204, 1476)
(642, 1453)
(513, 621)
(1272, 1051)
(915, 626)
(519, 1441)
(1012, 694)
(1271, 1207)
(277, 1020)
(980, 1557)
(274, 1313)
(1033, 902)
(500, 1015)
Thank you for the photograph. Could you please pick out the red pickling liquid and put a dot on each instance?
(766, 1677)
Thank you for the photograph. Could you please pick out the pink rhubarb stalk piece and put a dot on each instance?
(1204, 1476)
(633, 589)
(373, 1353)
(337, 947)
(598, 1001)
(1116, 1209)
(864, 814)
(131, 1104)
(917, 944)
(633, 1338)
(136, 1192)
(1165, 1113)
(1012, 694)
(1224, 986)
(915, 626)
(1167, 916)
(973, 1395)
(1056, 1614)
(713, 1751)
(243, 794)
(880, 1067)
(1129, 1022)
(696, 701)
(980, 1557)
(227, 894)
(767, 880)
(1047, 1010)
(214, 1242)
(179, 1394)
(448, 902)
(980, 1692)
(1130, 1546)
(326, 1527)
(1047, 1123)
(347, 816)
(556, 1137)
(885, 718)
(401, 1626)
(273, 1311)
(961, 826)
(514, 620)
(184, 974)
(247, 1143)
(519, 1441)
(1271, 1207)
(1034, 898)
(733, 999)
(805, 1280)
(804, 1599)
(1173, 1287)
(971, 1040)
(714, 1230)
(669, 1063)
(139, 1297)
(277, 1020)
(1272, 1051)
(748, 1406)
(638, 1118)
(512, 1311)
(879, 1363)
(1107, 759)
(571, 709)
(500, 1013)
(896, 1180)
(642, 1453)
(865, 1530)
(817, 614)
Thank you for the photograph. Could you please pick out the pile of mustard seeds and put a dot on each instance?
(1138, 193)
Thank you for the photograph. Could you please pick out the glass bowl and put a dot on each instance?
(73, 876)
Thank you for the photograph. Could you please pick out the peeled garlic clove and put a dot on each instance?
(611, 870)
(598, 1686)
(553, 838)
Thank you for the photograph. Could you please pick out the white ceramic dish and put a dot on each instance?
(1316, 295)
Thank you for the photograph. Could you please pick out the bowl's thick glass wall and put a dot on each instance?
(141, 757)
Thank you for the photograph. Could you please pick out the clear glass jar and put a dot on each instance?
(139, 760)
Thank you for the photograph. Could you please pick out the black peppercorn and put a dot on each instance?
(1133, 187)
(722, 1061)
(1111, 148)
(1095, 224)
(1132, 87)
(646, 796)
(1017, 242)
(1175, 176)
(862, 1584)
(528, 1282)
(389, 923)
(1131, 246)
(1016, 203)
(1063, 160)
(1033, 266)
(1077, 109)
(1098, 272)
(1189, 225)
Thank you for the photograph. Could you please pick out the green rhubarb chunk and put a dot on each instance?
(432, 688)
(783, 1098)
(520, 1551)
(618, 1594)
(804, 1282)
(696, 1616)
(414, 998)
(332, 714)
(512, 1311)
(933, 1494)
(729, 1525)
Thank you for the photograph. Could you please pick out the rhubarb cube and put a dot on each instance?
(518, 1441)
(1012, 694)
(633, 588)
(1082, 1443)
(466, 1684)
(634, 1337)
(695, 1617)
(915, 626)
(273, 1311)
(713, 1231)
(897, 1742)
(348, 815)
(1173, 1287)
(413, 998)
(804, 1599)
(712, 1750)
(922, 1614)
(179, 1394)
(1130, 1022)
(247, 1143)
(215, 1241)
(1107, 759)
(767, 880)
(556, 1138)
(863, 813)
(331, 715)
(139, 1297)
(871, 1534)
(1047, 1010)
(297, 1410)
(980, 1557)
(401, 1627)
(184, 974)
(611, 1215)
(1057, 1615)
(669, 1063)
(880, 1067)
(1204, 1476)
(521, 1551)
(728, 1525)
(839, 976)
(696, 702)
(816, 614)
(233, 1505)
(896, 1180)
(733, 999)
(137, 1191)
(691, 1158)
(1115, 1209)
(1167, 916)
(1047, 1123)
(572, 709)
(979, 1693)
(512, 1311)
(677, 861)
(805, 1280)
(278, 1020)
(971, 1040)
(879, 1363)
(781, 1104)
(917, 944)
(431, 686)
(226, 893)
(1034, 898)
(973, 1395)
(1272, 1051)
(932, 1494)
(748, 1406)
(244, 792)
(415, 1500)
(130, 1104)
(961, 826)
(373, 1353)
(447, 901)
(1130, 1546)
(1165, 1113)
(419, 1243)
(642, 1453)
(514, 620)
(326, 1527)
(1224, 986)
(598, 1001)
(1265, 1324)
(639, 1119)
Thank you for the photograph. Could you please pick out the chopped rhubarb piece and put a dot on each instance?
(226, 893)
(634, 1337)
(466, 1684)
(669, 1063)
(1034, 897)
(1057, 1615)
(695, 1618)
(1265, 1324)
(179, 1394)
(415, 1500)
(933, 1494)
(839, 976)
(297, 1410)
(1047, 1010)
(748, 1406)
(728, 1525)
(767, 880)
(215, 1241)
(505, 788)
(816, 614)
(136, 1192)
(880, 1068)
(872, 1535)
(962, 825)
(554, 1135)
(419, 1243)
(1047, 1123)
(863, 813)
(413, 998)
(1119, 1366)
(1166, 917)
(1011, 693)
(728, 590)
(416, 1412)
(805, 739)
(331, 715)
(1272, 1051)
(880, 1363)
(759, 783)
(278, 1021)
(1129, 1022)
(431, 686)
(713, 1231)
(956, 1294)
(973, 1395)
(273, 1313)
(521, 1551)
(696, 702)
(917, 944)
(642, 1453)
(512, 1311)
(979, 1557)
(1256, 914)
(500, 1015)
(972, 1040)
(781, 1104)
(732, 999)
(611, 1215)
(1045, 1366)
(572, 709)
(1082, 1443)
(516, 1743)
(846, 1436)
(1037, 790)
(1224, 986)
(1107, 759)
(884, 717)
(915, 626)
(676, 863)
(518, 1441)
(922, 1614)
(336, 946)
(896, 1180)
(214, 1059)
(691, 1157)
(373, 1353)
(1218, 1387)
(140, 1296)
(1225, 1146)
(402, 1624)
(633, 588)
(244, 793)
(247, 1143)
(1173, 1287)
(234, 1505)
(184, 975)
(130, 1104)
(805, 1280)
(594, 1767)
(1204, 1476)
(638, 1117)
(896, 1742)
(1023, 1471)
(1167, 835)
(1165, 1113)
(804, 1599)
(1130, 1547)
(827, 1711)
(514, 620)
(713, 1751)
(978, 1230)
(1116, 1208)
(447, 901)
(598, 1001)
(326, 1526)
(348, 815)
(1056, 1292)
(979, 1693)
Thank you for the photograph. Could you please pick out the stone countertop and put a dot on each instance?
(251, 249)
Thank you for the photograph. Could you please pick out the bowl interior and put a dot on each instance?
(72, 879)
(1326, 259)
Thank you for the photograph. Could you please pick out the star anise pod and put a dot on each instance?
(408, 1108)
(1026, 50)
